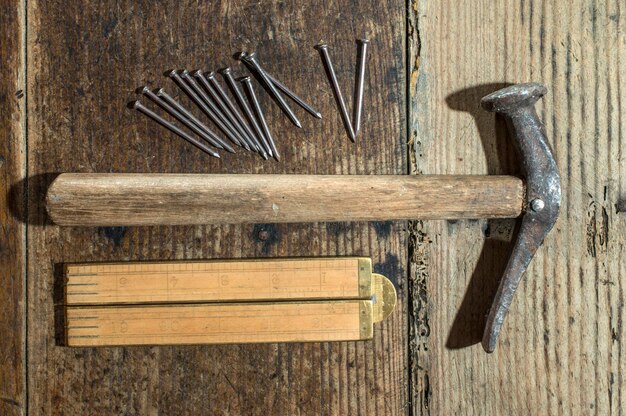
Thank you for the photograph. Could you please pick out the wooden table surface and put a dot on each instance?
(71, 66)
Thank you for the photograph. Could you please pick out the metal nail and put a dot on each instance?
(187, 122)
(252, 60)
(295, 98)
(247, 83)
(168, 99)
(233, 109)
(332, 77)
(199, 75)
(173, 128)
(191, 92)
(243, 104)
(285, 90)
(229, 129)
(360, 80)
(198, 101)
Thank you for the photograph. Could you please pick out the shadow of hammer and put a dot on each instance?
(103, 199)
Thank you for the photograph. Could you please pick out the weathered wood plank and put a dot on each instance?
(12, 186)
(84, 61)
(562, 345)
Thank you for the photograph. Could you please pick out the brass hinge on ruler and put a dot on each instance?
(218, 302)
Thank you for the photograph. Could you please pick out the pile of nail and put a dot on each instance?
(243, 124)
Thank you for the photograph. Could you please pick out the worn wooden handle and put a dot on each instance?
(102, 199)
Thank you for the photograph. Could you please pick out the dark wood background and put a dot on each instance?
(70, 68)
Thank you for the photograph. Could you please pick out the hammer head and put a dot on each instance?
(543, 191)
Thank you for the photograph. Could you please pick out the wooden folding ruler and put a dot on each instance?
(215, 302)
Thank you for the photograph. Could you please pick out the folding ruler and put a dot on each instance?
(216, 302)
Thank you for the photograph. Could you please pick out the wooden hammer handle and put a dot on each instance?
(102, 199)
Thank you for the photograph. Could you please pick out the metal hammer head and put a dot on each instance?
(543, 191)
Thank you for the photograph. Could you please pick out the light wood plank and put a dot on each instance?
(561, 349)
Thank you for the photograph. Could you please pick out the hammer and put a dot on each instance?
(102, 199)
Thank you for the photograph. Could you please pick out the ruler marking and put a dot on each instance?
(214, 317)
(215, 335)
(81, 284)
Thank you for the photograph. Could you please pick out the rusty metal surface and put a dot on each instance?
(543, 192)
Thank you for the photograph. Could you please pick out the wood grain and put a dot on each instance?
(562, 346)
(85, 59)
(12, 211)
(127, 199)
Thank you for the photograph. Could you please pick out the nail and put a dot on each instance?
(198, 101)
(286, 90)
(252, 60)
(174, 129)
(360, 79)
(223, 108)
(233, 109)
(295, 98)
(180, 117)
(194, 95)
(243, 104)
(323, 49)
(247, 83)
(213, 106)
(168, 99)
